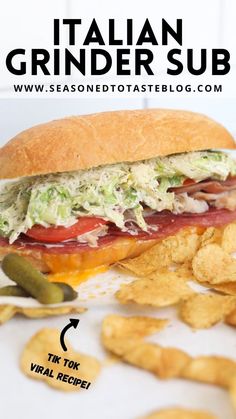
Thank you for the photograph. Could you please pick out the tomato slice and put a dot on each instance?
(60, 233)
(188, 182)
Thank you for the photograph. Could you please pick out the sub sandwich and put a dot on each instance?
(88, 191)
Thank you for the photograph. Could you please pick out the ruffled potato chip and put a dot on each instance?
(213, 265)
(160, 290)
(215, 370)
(179, 413)
(184, 271)
(224, 236)
(123, 333)
(163, 362)
(211, 235)
(8, 311)
(174, 249)
(228, 288)
(204, 310)
(48, 341)
(38, 312)
(135, 326)
(228, 241)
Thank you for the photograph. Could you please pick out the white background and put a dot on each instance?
(19, 114)
(206, 24)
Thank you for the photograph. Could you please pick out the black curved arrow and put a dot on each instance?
(73, 323)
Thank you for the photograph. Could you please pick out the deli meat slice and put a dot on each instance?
(67, 247)
(209, 186)
(161, 225)
(167, 223)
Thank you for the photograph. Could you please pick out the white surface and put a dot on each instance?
(218, 108)
(121, 391)
(206, 24)
(19, 114)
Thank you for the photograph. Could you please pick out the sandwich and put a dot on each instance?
(88, 191)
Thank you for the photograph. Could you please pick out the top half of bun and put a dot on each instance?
(82, 142)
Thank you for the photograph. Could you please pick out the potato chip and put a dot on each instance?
(184, 271)
(38, 312)
(7, 311)
(204, 310)
(135, 326)
(228, 242)
(183, 246)
(174, 249)
(48, 341)
(179, 413)
(122, 332)
(160, 290)
(230, 319)
(225, 237)
(167, 362)
(228, 288)
(163, 362)
(212, 264)
(211, 235)
(215, 370)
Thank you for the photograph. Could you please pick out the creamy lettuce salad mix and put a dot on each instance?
(118, 192)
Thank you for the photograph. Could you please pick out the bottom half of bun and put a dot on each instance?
(90, 258)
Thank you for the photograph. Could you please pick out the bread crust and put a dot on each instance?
(82, 142)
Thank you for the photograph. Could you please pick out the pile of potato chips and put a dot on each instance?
(164, 273)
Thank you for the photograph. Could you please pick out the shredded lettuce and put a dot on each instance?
(197, 165)
(110, 192)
